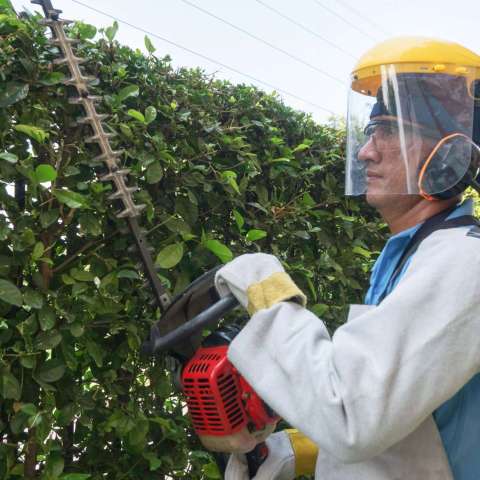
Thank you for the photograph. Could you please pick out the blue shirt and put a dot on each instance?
(458, 419)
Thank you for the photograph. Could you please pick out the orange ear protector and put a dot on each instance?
(452, 166)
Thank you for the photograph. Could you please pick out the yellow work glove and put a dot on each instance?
(258, 281)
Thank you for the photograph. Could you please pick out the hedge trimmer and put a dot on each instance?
(226, 413)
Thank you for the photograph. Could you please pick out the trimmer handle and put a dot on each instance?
(255, 458)
(210, 316)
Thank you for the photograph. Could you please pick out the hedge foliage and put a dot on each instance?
(224, 169)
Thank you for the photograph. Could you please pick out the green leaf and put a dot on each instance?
(38, 250)
(177, 225)
(137, 435)
(136, 115)
(9, 157)
(6, 6)
(254, 234)
(45, 386)
(77, 329)
(308, 200)
(301, 147)
(149, 45)
(126, 130)
(362, 251)
(9, 386)
(54, 466)
(129, 91)
(319, 309)
(231, 178)
(277, 140)
(18, 422)
(12, 93)
(219, 249)
(96, 352)
(29, 326)
(150, 114)
(71, 170)
(128, 274)
(82, 275)
(239, 220)
(302, 234)
(110, 32)
(154, 173)
(29, 408)
(51, 371)
(47, 217)
(52, 78)
(47, 340)
(9, 293)
(279, 160)
(91, 224)
(46, 318)
(32, 298)
(71, 199)
(85, 30)
(169, 256)
(28, 361)
(45, 173)
(166, 157)
(210, 470)
(33, 132)
(153, 460)
(186, 209)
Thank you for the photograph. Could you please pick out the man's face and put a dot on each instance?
(392, 162)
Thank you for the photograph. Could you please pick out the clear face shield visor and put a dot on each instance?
(411, 133)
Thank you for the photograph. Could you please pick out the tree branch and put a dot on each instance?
(31, 456)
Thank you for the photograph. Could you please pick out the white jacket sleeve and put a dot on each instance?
(382, 374)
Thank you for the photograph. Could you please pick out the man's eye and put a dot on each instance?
(381, 131)
(386, 130)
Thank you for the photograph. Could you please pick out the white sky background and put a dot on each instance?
(182, 24)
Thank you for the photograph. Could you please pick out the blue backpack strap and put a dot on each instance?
(437, 222)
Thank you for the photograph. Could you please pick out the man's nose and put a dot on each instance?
(368, 152)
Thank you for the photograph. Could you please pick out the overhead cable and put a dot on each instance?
(205, 57)
(305, 28)
(265, 42)
(341, 17)
(364, 17)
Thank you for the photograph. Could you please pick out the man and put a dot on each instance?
(395, 392)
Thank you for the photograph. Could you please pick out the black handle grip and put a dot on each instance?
(159, 343)
(256, 457)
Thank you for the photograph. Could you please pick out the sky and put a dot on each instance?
(308, 69)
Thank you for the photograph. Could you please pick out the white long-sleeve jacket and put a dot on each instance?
(366, 395)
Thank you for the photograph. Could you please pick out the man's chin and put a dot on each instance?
(378, 199)
(381, 200)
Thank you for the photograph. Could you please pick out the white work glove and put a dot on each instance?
(279, 464)
(257, 280)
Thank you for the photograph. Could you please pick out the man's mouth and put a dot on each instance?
(373, 175)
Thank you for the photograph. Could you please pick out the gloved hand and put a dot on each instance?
(258, 281)
(279, 465)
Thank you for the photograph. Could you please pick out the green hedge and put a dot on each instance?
(224, 169)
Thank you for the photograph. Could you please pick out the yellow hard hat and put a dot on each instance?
(416, 100)
(414, 55)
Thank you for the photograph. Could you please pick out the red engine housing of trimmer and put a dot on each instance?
(226, 413)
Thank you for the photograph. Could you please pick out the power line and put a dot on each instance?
(259, 39)
(341, 17)
(363, 17)
(305, 28)
(205, 57)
